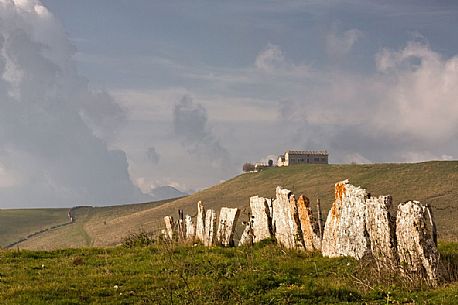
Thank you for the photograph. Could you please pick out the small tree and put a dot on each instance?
(270, 163)
(248, 167)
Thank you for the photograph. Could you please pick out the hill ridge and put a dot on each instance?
(432, 182)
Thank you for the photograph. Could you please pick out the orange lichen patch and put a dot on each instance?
(340, 189)
(305, 219)
(334, 210)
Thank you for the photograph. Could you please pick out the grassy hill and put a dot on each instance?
(435, 183)
(17, 224)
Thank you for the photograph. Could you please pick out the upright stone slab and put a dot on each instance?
(309, 228)
(345, 230)
(261, 219)
(226, 227)
(247, 236)
(181, 230)
(416, 241)
(190, 228)
(210, 228)
(285, 222)
(169, 227)
(200, 222)
(382, 232)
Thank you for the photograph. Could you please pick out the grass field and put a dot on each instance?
(435, 183)
(160, 274)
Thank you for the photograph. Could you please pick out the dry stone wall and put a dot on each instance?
(357, 225)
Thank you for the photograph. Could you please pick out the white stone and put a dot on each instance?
(261, 220)
(381, 229)
(417, 241)
(169, 227)
(247, 236)
(345, 230)
(309, 228)
(190, 228)
(227, 220)
(210, 228)
(285, 222)
(200, 222)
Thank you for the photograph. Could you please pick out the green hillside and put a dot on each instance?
(430, 182)
(16, 224)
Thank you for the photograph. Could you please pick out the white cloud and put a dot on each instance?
(339, 44)
(421, 92)
(55, 131)
(272, 61)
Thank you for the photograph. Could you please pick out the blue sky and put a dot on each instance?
(186, 91)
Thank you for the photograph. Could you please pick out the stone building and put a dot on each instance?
(292, 157)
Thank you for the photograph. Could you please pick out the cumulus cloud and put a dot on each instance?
(339, 44)
(272, 61)
(405, 111)
(190, 122)
(54, 129)
(421, 92)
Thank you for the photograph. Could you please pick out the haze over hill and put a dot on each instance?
(165, 192)
(431, 182)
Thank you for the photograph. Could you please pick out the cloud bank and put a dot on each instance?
(54, 130)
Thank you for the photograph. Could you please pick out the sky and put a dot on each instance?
(101, 101)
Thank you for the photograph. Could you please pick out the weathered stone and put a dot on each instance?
(169, 227)
(417, 241)
(285, 220)
(181, 230)
(210, 228)
(190, 228)
(319, 220)
(261, 219)
(200, 222)
(345, 231)
(382, 233)
(227, 220)
(247, 236)
(309, 228)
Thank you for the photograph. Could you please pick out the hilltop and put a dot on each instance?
(430, 182)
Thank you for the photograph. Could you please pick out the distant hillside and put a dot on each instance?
(18, 224)
(165, 192)
(432, 182)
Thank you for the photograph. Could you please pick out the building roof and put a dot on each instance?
(308, 152)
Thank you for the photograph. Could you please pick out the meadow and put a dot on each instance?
(135, 273)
